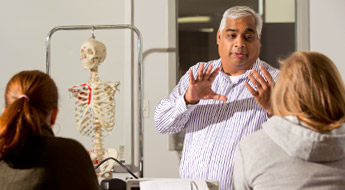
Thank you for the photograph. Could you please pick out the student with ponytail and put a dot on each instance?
(31, 157)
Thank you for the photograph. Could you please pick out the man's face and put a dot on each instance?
(238, 45)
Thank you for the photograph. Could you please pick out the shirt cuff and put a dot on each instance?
(183, 108)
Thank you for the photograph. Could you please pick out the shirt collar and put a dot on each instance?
(245, 74)
(47, 130)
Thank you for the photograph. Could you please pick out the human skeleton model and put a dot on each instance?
(95, 105)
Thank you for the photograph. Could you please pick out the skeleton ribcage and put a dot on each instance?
(95, 106)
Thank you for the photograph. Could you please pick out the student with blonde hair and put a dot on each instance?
(303, 145)
(31, 157)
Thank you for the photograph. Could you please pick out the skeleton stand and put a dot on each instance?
(139, 46)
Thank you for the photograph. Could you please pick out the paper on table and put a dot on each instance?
(174, 184)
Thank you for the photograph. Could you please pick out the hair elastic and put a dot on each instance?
(24, 96)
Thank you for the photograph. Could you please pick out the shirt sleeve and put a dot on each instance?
(172, 113)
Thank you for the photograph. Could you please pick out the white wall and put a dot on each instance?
(156, 20)
(24, 29)
(279, 11)
(327, 26)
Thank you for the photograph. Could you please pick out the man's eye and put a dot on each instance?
(231, 36)
(249, 37)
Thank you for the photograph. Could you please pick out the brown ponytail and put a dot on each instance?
(29, 97)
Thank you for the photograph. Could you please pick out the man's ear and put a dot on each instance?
(54, 116)
(218, 37)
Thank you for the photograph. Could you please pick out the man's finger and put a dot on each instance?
(254, 81)
(191, 77)
(208, 72)
(267, 75)
(214, 74)
(217, 97)
(201, 72)
(220, 97)
(250, 89)
(259, 79)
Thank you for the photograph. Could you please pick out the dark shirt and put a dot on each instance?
(49, 162)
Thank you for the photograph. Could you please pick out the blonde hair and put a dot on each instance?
(310, 87)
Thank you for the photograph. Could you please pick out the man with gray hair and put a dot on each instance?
(221, 101)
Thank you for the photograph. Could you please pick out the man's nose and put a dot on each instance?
(239, 42)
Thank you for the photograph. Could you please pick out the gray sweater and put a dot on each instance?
(287, 155)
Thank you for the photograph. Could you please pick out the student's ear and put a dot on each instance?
(54, 116)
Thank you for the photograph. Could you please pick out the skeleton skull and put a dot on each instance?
(92, 53)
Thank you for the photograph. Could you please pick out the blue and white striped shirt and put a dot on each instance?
(213, 128)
